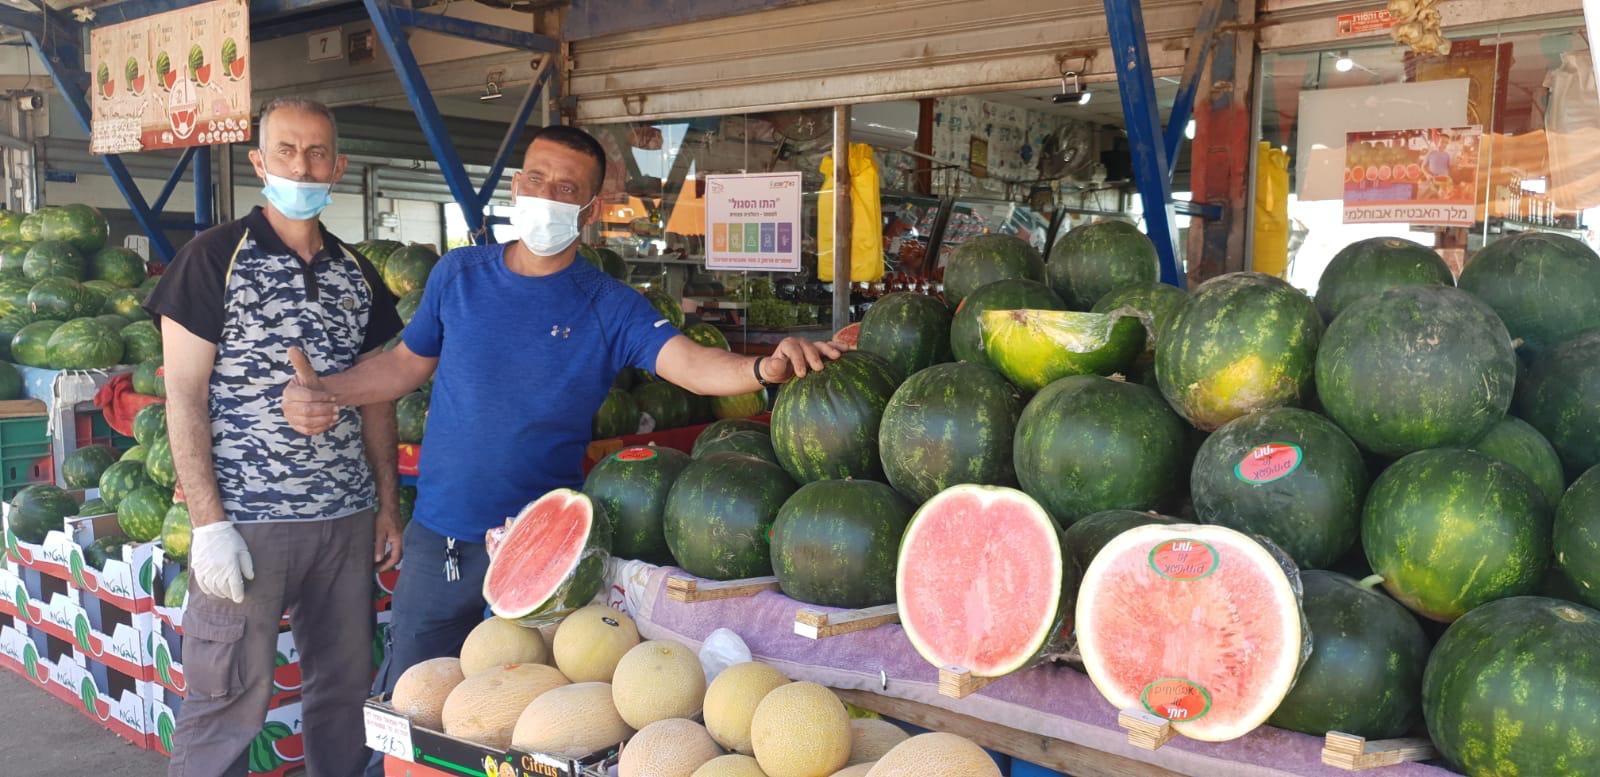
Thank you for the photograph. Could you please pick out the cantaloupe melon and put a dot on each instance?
(730, 766)
(871, 738)
(667, 748)
(484, 708)
(591, 641)
(935, 755)
(421, 691)
(801, 730)
(497, 642)
(855, 770)
(657, 680)
(571, 721)
(731, 702)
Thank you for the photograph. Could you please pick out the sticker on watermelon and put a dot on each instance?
(981, 583)
(1201, 625)
(551, 560)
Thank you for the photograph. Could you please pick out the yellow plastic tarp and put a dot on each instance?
(866, 226)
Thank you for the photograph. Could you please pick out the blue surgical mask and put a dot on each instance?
(546, 227)
(298, 200)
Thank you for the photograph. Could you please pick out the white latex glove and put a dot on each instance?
(219, 562)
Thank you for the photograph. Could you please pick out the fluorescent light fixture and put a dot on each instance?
(1188, 130)
(1344, 63)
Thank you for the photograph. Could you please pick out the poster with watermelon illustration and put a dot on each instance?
(172, 80)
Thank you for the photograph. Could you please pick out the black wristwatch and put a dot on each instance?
(759, 379)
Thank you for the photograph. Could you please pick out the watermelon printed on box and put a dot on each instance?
(126, 579)
(122, 711)
(100, 634)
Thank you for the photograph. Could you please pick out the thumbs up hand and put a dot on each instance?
(308, 408)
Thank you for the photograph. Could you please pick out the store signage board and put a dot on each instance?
(1364, 22)
(753, 222)
(1327, 116)
(172, 80)
(1426, 177)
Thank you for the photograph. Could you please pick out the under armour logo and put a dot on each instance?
(560, 331)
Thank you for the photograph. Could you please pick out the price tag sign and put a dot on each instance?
(388, 733)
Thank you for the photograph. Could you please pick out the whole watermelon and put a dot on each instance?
(83, 467)
(14, 296)
(1034, 348)
(618, 416)
(946, 425)
(406, 270)
(706, 335)
(966, 333)
(128, 303)
(988, 258)
(1451, 529)
(53, 259)
(149, 423)
(825, 425)
(158, 462)
(379, 251)
(176, 532)
(31, 230)
(610, 262)
(1087, 536)
(910, 331)
(103, 549)
(669, 405)
(719, 515)
(62, 299)
(408, 504)
(1096, 259)
(1513, 688)
(1560, 396)
(1087, 443)
(10, 325)
(121, 479)
(1516, 443)
(148, 379)
(1544, 286)
(93, 506)
(632, 485)
(113, 321)
(836, 542)
(141, 342)
(739, 405)
(1416, 367)
(141, 513)
(1367, 268)
(135, 453)
(407, 306)
(119, 267)
(31, 344)
(665, 304)
(750, 443)
(38, 510)
(177, 593)
(84, 344)
(10, 382)
(12, 256)
(1155, 303)
(148, 286)
(1285, 474)
(411, 416)
(728, 426)
(1243, 342)
(1364, 676)
(11, 225)
(82, 226)
(1576, 538)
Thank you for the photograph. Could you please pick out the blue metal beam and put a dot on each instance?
(202, 188)
(1194, 68)
(475, 31)
(1131, 57)
(128, 10)
(1205, 211)
(172, 180)
(508, 145)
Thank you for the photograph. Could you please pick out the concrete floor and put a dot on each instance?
(40, 736)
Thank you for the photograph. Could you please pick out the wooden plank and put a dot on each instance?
(1353, 753)
(1061, 755)
(1145, 731)
(689, 589)
(19, 408)
(815, 624)
(958, 683)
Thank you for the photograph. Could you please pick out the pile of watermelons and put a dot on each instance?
(1431, 450)
(68, 299)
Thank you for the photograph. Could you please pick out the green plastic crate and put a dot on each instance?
(24, 453)
(100, 432)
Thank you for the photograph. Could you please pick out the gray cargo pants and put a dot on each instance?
(321, 571)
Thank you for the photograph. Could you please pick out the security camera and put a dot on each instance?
(30, 102)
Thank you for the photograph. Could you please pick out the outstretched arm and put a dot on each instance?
(713, 372)
(379, 379)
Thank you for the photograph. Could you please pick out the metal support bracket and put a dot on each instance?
(1151, 168)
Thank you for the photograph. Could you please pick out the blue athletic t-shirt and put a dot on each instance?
(524, 364)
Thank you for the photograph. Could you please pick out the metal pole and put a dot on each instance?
(841, 216)
(225, 185)
(202, 188)
(369, 201)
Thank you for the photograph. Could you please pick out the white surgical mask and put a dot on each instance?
(298, 200)
(546, 227)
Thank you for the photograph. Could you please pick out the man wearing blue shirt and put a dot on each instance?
(526, 340)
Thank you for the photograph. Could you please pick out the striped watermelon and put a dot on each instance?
(946, 425)
(911, 331)
(1367, 268)
(1560, 396)
(1093, 260)
(966, 330)
(1516, 443)
(719, 515)
(1544, 286)
(618, 415)
(825, 425)
(632, 486)
(988, 258)
(1034, 348)
(1155, 303)
(834, 543)
(1576, 537)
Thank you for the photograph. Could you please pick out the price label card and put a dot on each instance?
(388, 733)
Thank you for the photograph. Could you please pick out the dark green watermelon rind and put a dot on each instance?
(582, 583)
(988, 258)
(1093, 260)
(1313, 513)
(618, 416)
(1513, 688)
(1414, 368)
(38, 510)
(911, 331)
(1515, 442)
(141, 513)
(1034, 348)
(1088, 535)
(1544, 286)
(724, 427)
(966, 333)
(1086, 444)
(1364, 676)
(719, 515)
(835, 543)
(633, 493)
(1576, 538)
(1451, 529)
(750, 443)
(1156, 303)
(669, 405)
(1560, 396)
(946, 425)
(1243, 342)
(1367, 268)
(825, 425)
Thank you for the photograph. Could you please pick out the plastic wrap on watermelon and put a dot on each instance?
(1201, 625)
(549, 560)
(1034, 348)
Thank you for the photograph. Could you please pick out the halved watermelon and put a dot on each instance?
(551, 560)
(981, 582)
(1200, 625)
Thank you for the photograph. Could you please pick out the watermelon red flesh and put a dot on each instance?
(981, 582)
(551, 561)
(1197, 624)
